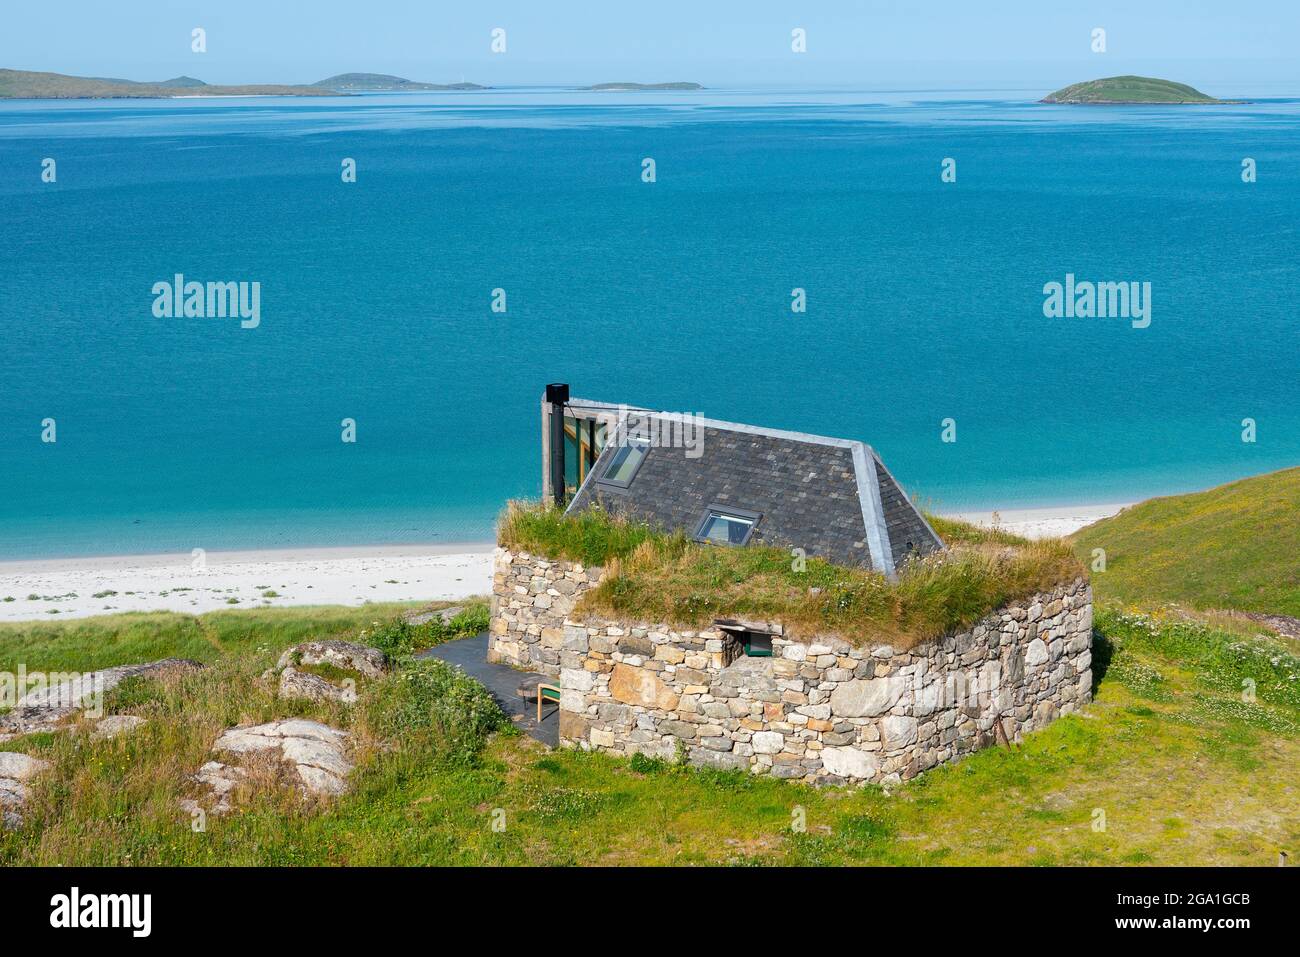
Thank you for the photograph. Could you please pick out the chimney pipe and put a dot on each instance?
(557, 396)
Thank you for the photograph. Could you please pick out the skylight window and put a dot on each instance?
(624, 462)
(727, 526)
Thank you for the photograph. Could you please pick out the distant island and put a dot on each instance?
(383, 83)
(27, 85)
(1118, 90)
(614, 87)
(23, 84)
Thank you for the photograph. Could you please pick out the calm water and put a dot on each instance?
(924, 299)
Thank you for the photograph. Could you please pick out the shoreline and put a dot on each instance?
(53, 589)
(1043, 522)
(16, 566)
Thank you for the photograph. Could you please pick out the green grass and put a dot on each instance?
(591, 537)
(956, 532)
(652, 576)
(1184, 771)
(116, 802)
(397, 636)
(1188, 750)
(1235, 547)
(1129, 89)
(90, 644)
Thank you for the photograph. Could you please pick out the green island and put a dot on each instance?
(23, 84)
(1187, 769)
(1120, 90)
(625, 87)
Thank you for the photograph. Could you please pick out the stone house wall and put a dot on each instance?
(820, 709)
(531, 601)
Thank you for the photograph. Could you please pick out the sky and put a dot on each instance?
(1227, 48)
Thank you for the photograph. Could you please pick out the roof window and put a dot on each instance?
(722, 525)
(624, 462)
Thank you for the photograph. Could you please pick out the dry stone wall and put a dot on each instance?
(531, 601)
(820, 710)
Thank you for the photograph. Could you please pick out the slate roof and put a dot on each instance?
(834, 498)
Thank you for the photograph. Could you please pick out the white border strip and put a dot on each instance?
(873, 513)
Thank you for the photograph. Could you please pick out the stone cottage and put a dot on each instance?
(745, 694)
(821, 709)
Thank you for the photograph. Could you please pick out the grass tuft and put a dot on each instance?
(592, 537)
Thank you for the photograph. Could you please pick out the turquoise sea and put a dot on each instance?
(925, 299)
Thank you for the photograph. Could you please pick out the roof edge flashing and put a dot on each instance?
(873, 512)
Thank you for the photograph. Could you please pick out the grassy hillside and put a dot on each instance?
(1185, 772)
(1129, 89)
(1235, 547)
(23, 84)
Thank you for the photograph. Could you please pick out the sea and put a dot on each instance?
(493, 242)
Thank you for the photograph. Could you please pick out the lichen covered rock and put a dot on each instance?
(16, 770)
(347, 655)
(317, 754)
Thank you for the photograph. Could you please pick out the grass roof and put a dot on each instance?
(655, 576)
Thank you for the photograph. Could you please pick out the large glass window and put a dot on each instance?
(580, 451)
(724, 526)
(624, 461)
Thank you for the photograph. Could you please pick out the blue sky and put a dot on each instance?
(1228, 48)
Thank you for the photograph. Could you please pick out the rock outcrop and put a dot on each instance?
(317, 753)
(47, 707)
(362, 659)
(115, 726)
(442, 614)
(16, 769)
(303, 684)
(345, 655)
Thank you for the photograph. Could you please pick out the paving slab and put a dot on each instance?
(502, 682)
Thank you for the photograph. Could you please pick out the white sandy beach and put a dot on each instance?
(55, 589)
(1042, 522)
(78, 587)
